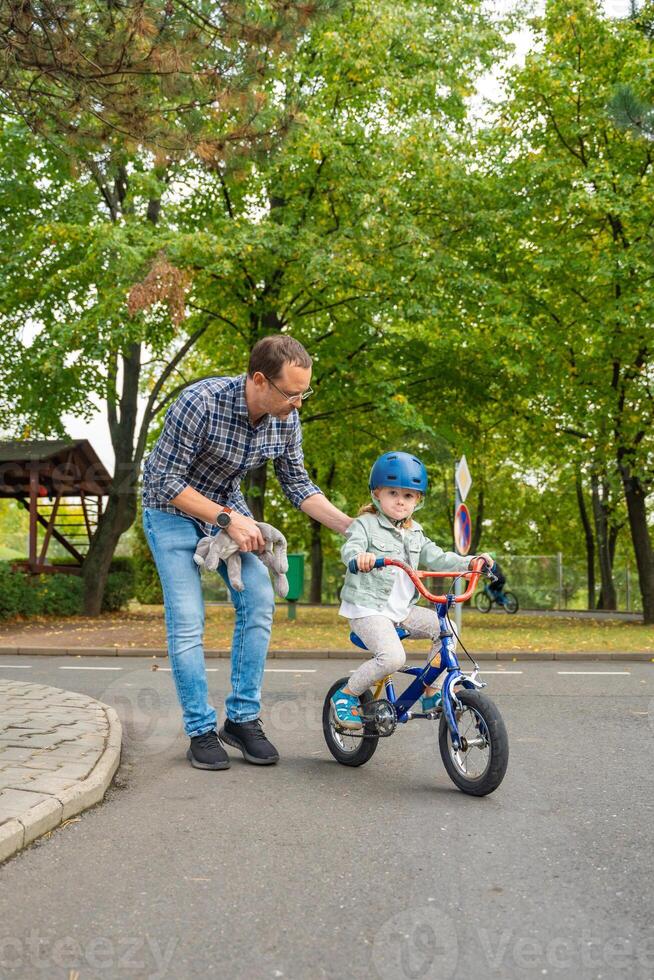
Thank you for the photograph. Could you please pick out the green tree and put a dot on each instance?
(314, 235)
(568, 196)
(118, 98)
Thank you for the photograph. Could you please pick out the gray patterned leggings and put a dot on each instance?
(378, 634)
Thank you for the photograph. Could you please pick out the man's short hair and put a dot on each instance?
(270, 354)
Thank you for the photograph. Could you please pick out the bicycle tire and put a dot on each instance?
(360, 754)
(483, 602)
(511, 603)
(489, 723)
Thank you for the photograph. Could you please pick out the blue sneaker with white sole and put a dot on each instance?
(347, 709)
(431, 702)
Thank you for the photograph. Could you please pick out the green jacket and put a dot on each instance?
(376, 534)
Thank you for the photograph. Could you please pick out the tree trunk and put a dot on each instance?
(121, 509)
(448, 506)
(315, 594)
(637, 510)
(317, 559)
(590, 541)
(117, 518)
(479, 517)
(255, 492)
(600, 492)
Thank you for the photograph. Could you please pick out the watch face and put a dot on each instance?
(223, 519)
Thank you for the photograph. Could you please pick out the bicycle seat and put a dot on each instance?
(358, 642)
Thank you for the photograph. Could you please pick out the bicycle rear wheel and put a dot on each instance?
(511, 602)
(346, 749)
(478, 767)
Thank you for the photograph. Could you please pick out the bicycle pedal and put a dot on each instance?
(354, 732)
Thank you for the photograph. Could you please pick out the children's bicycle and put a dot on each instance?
(472, 738)
(485, 599)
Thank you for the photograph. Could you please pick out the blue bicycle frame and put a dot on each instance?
(426, 676)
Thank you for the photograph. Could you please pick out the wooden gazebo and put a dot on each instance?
(41, 474)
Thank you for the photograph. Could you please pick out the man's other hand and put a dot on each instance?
(246, 533)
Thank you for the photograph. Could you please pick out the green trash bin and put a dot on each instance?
(295, 577)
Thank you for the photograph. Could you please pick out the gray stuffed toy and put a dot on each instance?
(212, 550)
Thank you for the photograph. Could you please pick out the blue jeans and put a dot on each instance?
(173, 540)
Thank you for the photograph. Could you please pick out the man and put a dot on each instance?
(217, 430)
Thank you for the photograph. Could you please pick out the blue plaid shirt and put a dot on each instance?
(207, 442)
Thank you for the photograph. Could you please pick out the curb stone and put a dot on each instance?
(350, 654)
(44, 788)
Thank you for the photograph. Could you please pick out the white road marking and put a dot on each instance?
(209, 670)
(500, 672)
(288, 670)
(610, 673)
(18, 666)
(90, 668)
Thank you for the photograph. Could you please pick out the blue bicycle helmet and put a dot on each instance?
(398, 470)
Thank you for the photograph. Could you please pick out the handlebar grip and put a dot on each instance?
(354, 568)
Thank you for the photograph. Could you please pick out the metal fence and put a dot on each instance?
(555, 582)
(539, 581)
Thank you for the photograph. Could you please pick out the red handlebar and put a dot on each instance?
(472, 577)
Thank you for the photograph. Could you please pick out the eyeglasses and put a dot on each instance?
(290, 398)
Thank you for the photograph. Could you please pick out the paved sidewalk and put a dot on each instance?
(58, 755)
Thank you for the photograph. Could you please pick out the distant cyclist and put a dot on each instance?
(493, 592)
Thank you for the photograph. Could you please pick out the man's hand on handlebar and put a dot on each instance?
(366, 561)
(245, 532)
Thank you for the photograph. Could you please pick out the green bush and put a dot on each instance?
(121, 585)
(62, 594)
(56, 595)
(16, 599)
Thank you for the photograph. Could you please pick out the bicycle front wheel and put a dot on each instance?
(510, 602)
(479, 765)
(482, 602)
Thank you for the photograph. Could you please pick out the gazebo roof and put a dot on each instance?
(63, 466)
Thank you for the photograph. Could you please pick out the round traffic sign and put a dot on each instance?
(462, 529)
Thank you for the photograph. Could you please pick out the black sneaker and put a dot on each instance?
(249, 737)
(206, 752)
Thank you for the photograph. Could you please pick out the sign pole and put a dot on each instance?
(462, 527)
(458, 584)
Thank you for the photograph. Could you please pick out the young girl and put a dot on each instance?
(377, 602)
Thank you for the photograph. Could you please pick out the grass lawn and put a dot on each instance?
(322, 628)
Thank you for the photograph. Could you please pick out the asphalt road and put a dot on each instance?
(309, 869)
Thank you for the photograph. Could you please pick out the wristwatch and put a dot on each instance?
(223, 519)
